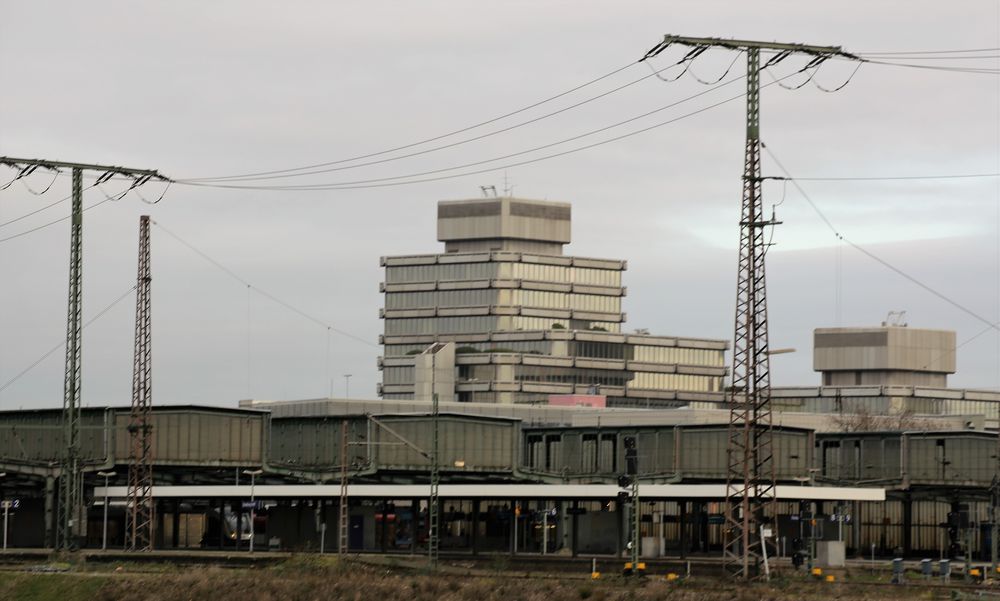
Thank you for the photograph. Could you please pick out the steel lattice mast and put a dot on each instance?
(750, 477)
(139, 507)
(72, 513)
(70, 481)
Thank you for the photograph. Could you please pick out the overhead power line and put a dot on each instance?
(434, 138)
(953, 69)
(394, 180)
(870, 254)
(894, 52)
(305, 171)
(259, 290)
(62, 344)
(882, 178)
(36, 211)
(55, 221)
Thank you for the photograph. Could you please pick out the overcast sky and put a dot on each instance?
(218, 88)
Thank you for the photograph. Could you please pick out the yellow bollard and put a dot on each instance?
(817, 572)
(595, 575)
(830, 578)
(671, 577)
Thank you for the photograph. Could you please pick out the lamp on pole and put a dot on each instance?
(104, 538)
(253, 505)
(6, 508)
(347, 385)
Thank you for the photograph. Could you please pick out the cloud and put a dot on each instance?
(230, 87)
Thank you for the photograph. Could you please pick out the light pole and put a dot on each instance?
(253, 505)
(6, 509)
(104, 539)
(347, 385)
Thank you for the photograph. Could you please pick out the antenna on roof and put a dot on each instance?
(508, 188)
(895, 319)
(489, 191)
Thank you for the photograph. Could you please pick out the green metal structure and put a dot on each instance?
(750, 482)
(71, 512)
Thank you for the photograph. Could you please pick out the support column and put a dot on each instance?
(176, 534)
(158, 538)
(238, 508)
(703, 527)
(575, 529)
(50, 508)
(475, 527)
(385, 526)
(222, 524)
(514, 521)
(859, 549)
(682, 527)
(907, 524)
(619, 527)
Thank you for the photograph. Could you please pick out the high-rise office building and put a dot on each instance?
(524, 321)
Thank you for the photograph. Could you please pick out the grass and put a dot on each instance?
(312, 578)
(49, 587)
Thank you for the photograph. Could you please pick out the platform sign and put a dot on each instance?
(10, 504)
(766, 532)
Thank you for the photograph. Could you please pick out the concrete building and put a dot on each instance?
(522, 321)
(884, 356)
(890, 370)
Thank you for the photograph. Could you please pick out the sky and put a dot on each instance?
(208, 89)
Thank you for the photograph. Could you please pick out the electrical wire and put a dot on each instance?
(955, 348)
(55, 176)
(975, 70)
(799, 86)
(429, 150)
(50, 223)
(721, 77)
(894, 52)
(935, 58)
(23, 172)
(872, 255)
(841, 86)
(890, 177)
(63, 344)
(394, 180)
(686, 60)
(258, 290)
(36, 211)
(434, 138)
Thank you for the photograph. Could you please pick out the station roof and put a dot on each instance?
(492, 491)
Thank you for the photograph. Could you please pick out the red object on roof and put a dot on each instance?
(578, 400)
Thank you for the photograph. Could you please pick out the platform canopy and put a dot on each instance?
(492, 491)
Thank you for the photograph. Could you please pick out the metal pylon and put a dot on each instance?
(342, 540)
(140, 506)
(434, 505)
(750, 478)
(70, 481)
(750, 457)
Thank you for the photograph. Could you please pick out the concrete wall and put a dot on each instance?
(434, 373)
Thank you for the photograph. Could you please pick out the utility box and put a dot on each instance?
(927, 568)
(652, 546)
(830, 553)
